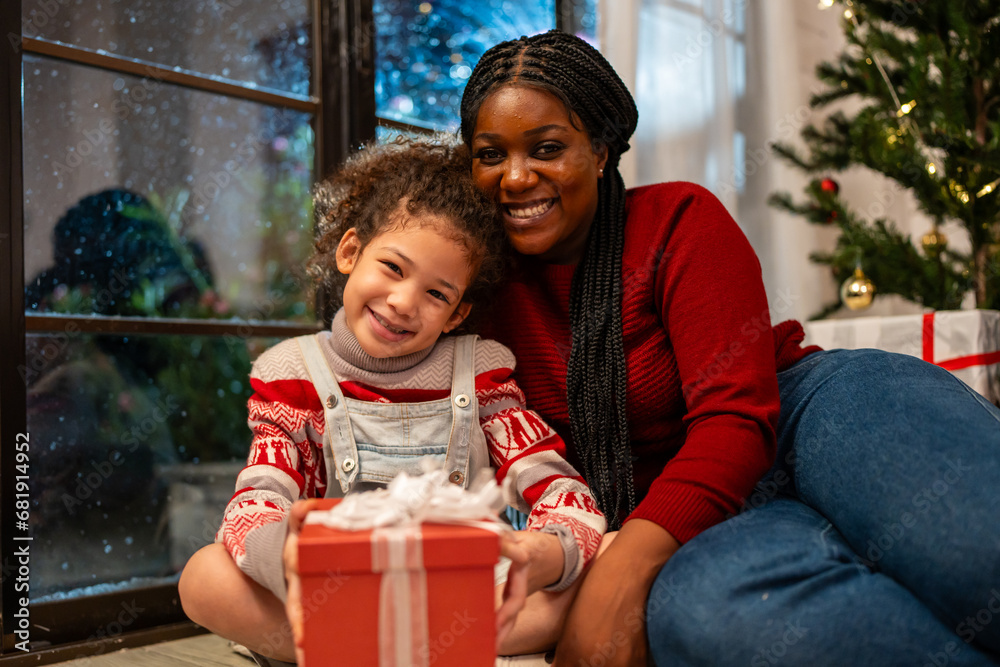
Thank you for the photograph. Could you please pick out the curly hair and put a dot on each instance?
(426, 176)
(578, 75)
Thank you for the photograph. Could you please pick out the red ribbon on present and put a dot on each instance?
(958, 363)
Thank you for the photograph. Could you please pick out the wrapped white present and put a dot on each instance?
(965, 342)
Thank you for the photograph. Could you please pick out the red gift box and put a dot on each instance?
(354, 602)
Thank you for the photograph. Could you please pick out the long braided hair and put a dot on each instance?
(594, 95)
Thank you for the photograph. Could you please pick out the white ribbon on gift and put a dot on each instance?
(403, 635)
(394, 515)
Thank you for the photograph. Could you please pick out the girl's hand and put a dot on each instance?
(536, 562)
(290, 555)
(617, 584)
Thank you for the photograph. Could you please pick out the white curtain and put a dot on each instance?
(685, 62)
(716, 83)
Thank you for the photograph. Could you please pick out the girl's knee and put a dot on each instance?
(200, 579)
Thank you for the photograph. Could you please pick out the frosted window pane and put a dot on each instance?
(136, 443)
(678, 88)
(737, 53)
(148, 199)
(734, 12)
(267, 44)
(583, 15)
(675, 95)
(425, 51)
(740, 158)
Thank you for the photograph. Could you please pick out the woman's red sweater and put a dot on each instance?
(701, 354)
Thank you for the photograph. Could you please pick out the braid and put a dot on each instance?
(596, 381)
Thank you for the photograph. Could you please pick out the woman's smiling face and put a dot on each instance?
(542, 170)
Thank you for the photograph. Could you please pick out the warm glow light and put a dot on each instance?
(425, 8)
(868, 60)
(906, 108)
(931, 169)
(825, 4)
(848, 13)
(964, 196)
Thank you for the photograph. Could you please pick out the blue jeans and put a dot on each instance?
(874, 540)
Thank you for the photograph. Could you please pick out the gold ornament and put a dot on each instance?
(934, 242)
(857, 291)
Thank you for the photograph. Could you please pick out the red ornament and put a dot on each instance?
(829, 185)
(830, 219)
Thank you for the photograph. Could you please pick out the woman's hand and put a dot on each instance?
(536, 562)
(290, 555)
(607, 622)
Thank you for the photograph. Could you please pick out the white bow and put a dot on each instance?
(427, 498)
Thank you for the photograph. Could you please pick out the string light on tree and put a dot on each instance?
(989, 188)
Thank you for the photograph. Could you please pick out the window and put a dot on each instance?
(159, 158)
(156, 160)
(425, 51)
(690, 90)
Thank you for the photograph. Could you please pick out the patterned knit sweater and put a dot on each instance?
(286, 453)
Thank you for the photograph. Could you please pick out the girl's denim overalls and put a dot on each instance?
(366, 444)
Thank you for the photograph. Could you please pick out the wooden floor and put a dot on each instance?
(203, 650)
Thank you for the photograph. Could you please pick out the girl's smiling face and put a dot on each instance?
(405, 287)
(542, 170)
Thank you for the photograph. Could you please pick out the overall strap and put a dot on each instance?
(339, 449)
(464, 408)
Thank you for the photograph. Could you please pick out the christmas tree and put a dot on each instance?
(927, 76)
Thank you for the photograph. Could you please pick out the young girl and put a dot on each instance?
(406, 244)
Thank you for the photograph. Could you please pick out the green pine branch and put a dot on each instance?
(940, 61)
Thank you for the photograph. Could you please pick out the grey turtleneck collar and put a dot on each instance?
(345, 344)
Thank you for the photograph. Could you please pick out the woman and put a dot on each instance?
(642, 334)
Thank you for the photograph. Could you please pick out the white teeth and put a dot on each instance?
(531, 211)
(388, 326)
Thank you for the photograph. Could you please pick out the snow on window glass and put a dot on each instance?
(425, 51)
(136, 444)
(263, 44)
(147, 199)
